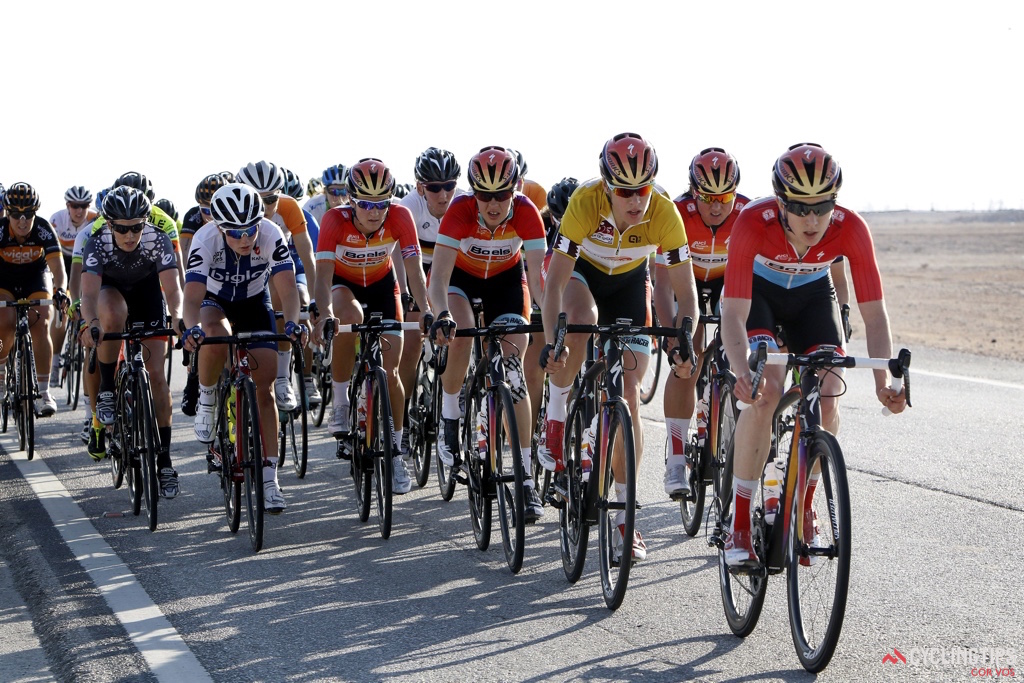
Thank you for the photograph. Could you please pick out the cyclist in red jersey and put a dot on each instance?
(780, 256)
(354, 268)
(479, 254)
(709, 209)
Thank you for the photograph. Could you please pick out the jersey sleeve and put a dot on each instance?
(404, 230)
(165, 253)
(290, 211)
(280, 255)
(92, 258)
(80, 239)
(671, 235)
(743, 248)
(529, 225)
(329, 235)
(457, 223)
(200, 258)
(859, 248)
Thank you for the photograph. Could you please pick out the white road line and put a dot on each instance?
(163, 649)
(965, 378)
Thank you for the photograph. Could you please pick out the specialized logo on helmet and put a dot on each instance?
(807, 153)
(631, 150)
(490, 159)
(373, 168)
(714, 162)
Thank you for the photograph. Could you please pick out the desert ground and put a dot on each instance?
(953, 280)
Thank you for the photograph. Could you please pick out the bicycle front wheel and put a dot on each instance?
(381, 446)
(479, 484)
(250, 448)
(573, 527)
(148, 442)
(818, 564)
(74, 363)
(26, 391)
(422, 422)
(322, 379)
(616, 517)
(226, 434)
(296, 426)
(649, 382)
(509, 475)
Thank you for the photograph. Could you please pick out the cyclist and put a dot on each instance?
(199, 215)
(333, 192)
(28, 246)
(226, 291)
(780, 256)
(599, 273)
(125, 268)
(479, 254)
(314, 187)
(268, 181)
(437, 172)
(709, 209)
(534, 190)
(355, 267)
(67, 223)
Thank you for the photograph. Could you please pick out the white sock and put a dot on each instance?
(44, 383)
(450, 406)
(341, 392)
(558, 397)
(677, 428)
(284, 362)
(206, 394)
(398, 439)
(528, 463)
(269, 473)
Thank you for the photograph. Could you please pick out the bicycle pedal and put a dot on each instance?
(462, 479)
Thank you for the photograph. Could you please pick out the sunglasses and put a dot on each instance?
(270, 199)
(335, 192)
(486, 197)
(438, 187)
(723, 198)
(21, 215)
(134, 228)
(239, 233)
(205, 210)
(370, 206)
(76, 205)
(627, 192)
(821, 208)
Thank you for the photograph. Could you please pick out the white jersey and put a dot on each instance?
(232, 277)
(66, 232)
(317, 207)
(80, 239)
(426, 225)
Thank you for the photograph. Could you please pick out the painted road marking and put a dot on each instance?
(965, 378)
(160, 645)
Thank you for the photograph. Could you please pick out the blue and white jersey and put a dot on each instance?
(232, 277)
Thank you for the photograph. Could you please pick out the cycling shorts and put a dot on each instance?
(144, 299)
(254, 314)
(626, 295)
(382, 296)
(34, 286)
(808, 315)
(506, 292)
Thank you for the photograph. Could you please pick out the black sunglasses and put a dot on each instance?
(125, 229)
(447, 186)
(494, 196)
(75, 205)
(821, 208)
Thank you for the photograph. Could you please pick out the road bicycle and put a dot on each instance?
(293, 434)
(425, 410)
(809, 537)
(22, 388)
(236, 453)
(320, 370)
(492, 465)
(584, 491)
(134, 438)
(369, 445)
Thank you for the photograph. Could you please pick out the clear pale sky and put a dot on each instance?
(180, 89)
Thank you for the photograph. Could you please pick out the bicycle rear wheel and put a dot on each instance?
(74, 365)
(541, 477)
(362, 467)
(381, 438)
(649, 382)
(446, 476)
(296, 427)
(250, 448)
(742, 593)
(509, 476)
(422, 422)
(479, 483)
(818, 571)
(322, 379)
(147, 440)
(691, 508)
(573, 528)
(615, 561)
(224, 430)
(26, 392)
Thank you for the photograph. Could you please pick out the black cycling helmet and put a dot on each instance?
(21, 197)
(558, 196)
(436, 166)
(208, 185)
(167, 206)
(138, 181)
(126, 203)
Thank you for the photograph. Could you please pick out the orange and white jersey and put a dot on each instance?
(289, 216)
(708, 246)
(67, 232)
(483, 252)
(364, 259)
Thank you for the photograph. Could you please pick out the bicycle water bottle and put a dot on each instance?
(703, 406)
(481, 431)
(774, 475)
(587, 451)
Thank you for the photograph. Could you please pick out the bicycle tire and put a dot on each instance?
(503, 434)
(230, 488)
(145, 420)
(67, 350)
(6, 406)
(479, 484)
(422, 420)
(130, 444)
(649, 382)
(299, 440)
(382, 446)
(27, 394)
(322, 381)
(573, 527)
(691, 508)
(742, 593)
(170, 359)
(251, 448)
(75, 364)
(446, 476)
(821, 581)
(615, 574)
(541, 477)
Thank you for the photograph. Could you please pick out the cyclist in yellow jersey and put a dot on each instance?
(599, 272)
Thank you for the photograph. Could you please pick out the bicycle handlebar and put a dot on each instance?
(377, 327)
(26, 303)
(501, 329)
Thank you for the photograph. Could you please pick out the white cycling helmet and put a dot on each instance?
(78, 195)
(262, 176)
(236, 206)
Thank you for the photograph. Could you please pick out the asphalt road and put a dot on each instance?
(937, 528)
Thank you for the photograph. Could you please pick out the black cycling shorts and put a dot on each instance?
(25, 286)
(627, 295)
(501, 294)
(807, 315)
(383, 296)
(254, 314)
(144, 299)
